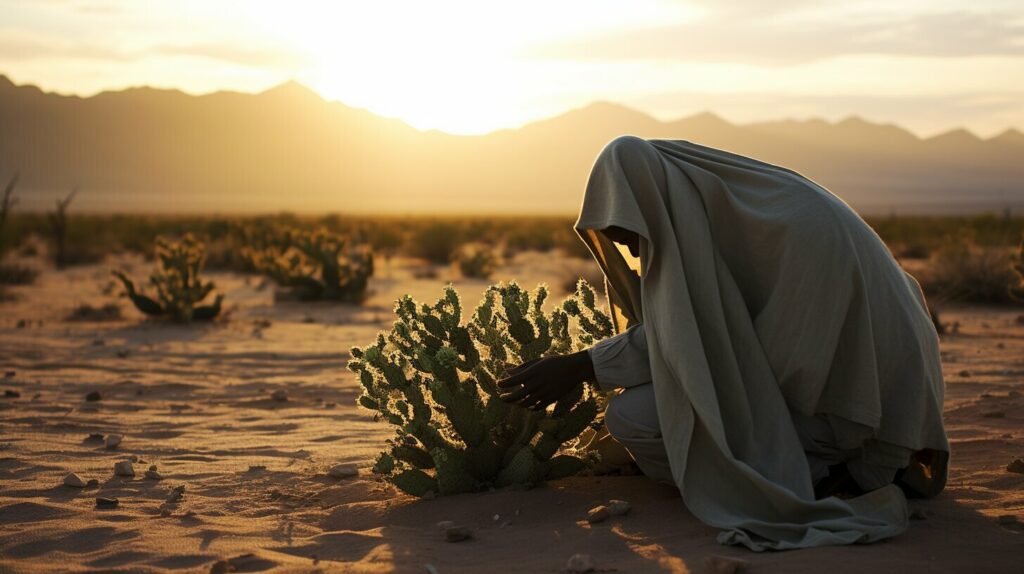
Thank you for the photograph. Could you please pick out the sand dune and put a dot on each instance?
(196, 402)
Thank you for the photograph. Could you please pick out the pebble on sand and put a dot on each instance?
(94, 436)
(344, 470)
(74, 480)
(11, 394)
(618, 507)
(1016, 466)
(280, 395)
(103, 501)
(124, 468)
(603, 512)
(457, 533)
(176, 493)
(580, 564)
(598, 514)
(716, 564)
(113, 440)
(153, 473)
(93, 483)
(93, 396)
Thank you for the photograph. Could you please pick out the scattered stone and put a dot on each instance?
(1000, 345)
(94, 436)
(257, 467)
(176, 494)
(104, 502)
(598, 514)
(344, 470)
(165, 511)
(618, 507)
(330, 405)
(221, 567)
(580, 564)
(279, 395)
(134, 458)
(1016, 466)
(93, 396)
(11, 394)
(964, 373)
(93, 483)
(74, 480)
(113, 441)
(9, 374)
(716, 564)
(430, 568)
(189, 514)
(457, 533)
(445, 524)
(98, 342)
(153, 473)
(994, 415)
(124, 468)
(121, 354)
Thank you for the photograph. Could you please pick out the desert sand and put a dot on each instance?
(196, 401)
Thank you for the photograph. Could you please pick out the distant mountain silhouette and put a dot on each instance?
(146, 149)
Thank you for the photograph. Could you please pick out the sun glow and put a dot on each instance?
(458, 66)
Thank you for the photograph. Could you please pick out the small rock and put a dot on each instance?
(1000, 345)
(279, 395)
(93, 396)
(445, 524)
(457, 533)
(98, 342)
(9, 374)
(994, 415)
(221, 567)
(11, 394)
(124, 468)
(74, 480)
(153, 473)
(1016, 466)
(965, 373)
(716, 564)
(330, 405)
(344, 470)
(165, 512)
(430, 568)
(94, 436)
(598, 514)
(113, 441)
(176, 494)
(580, 564)
(618, 507)
(133, 458)
(189, 514)
(104, 502)
(93, 483)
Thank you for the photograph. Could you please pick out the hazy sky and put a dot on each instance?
(475, 66)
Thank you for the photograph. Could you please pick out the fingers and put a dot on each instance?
(518, 375)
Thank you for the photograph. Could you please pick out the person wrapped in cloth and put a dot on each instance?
(770, 352)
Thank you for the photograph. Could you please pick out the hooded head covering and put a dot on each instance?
(764, 296)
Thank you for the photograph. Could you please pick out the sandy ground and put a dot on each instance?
(196, 402)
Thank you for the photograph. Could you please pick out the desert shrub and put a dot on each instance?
(179, 289)
(434, 377)
(962, 270)
(17, 274)
(314, 266)
(476, 261)
(436, 242)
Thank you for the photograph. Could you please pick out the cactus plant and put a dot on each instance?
(315, 266)
(178, 287)
(434, 375)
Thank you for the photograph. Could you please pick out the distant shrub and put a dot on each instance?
(314, 266)
(17, 274)
(436, 242)
(961, 270)
(179, 289)
(476, 261)
(433, 377)
(88, 313)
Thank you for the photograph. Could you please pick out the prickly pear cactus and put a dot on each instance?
(434, 375)
(179, 290)
(314, 266)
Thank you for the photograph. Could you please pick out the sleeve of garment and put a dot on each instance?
(621, 361)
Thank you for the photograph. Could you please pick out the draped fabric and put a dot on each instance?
(763, 297)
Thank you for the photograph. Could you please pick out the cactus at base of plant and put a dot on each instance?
(179, 290)
(434, 378)
(315, 266)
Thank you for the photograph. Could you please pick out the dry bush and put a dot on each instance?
(962, 270)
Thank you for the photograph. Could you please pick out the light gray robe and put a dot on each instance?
(764, 297)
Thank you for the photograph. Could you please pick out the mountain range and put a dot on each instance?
(155, 150)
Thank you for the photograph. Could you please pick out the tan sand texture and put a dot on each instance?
(198, 402)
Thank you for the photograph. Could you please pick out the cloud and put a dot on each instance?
(781, 42)
(232, 53)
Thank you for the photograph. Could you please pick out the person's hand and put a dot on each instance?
(540, 382)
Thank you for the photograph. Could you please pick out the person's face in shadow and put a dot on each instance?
(624, 237)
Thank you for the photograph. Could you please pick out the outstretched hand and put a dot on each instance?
(540, 382)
